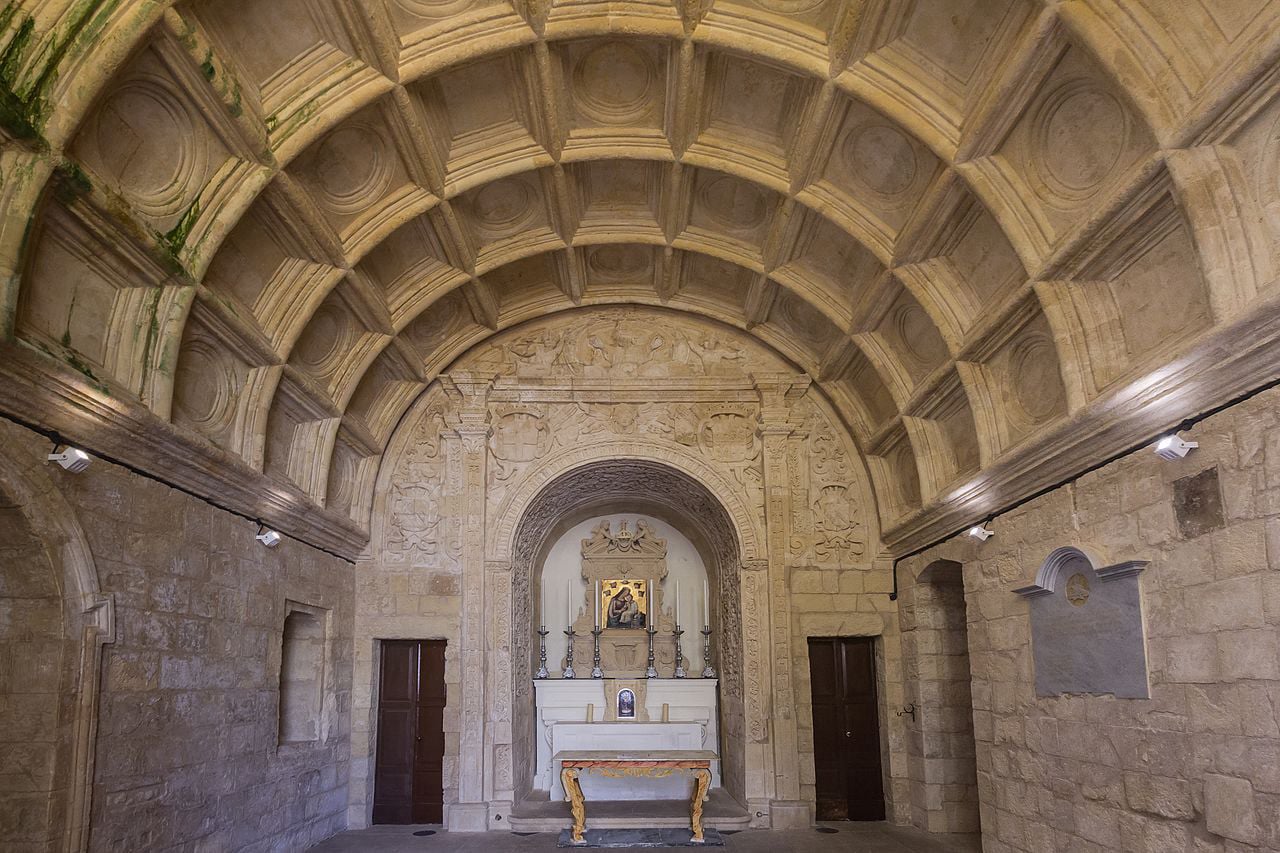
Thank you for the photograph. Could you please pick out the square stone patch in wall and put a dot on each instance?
(1197, 503)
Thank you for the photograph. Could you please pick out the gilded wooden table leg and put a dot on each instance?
(577, 803)
(701, 781)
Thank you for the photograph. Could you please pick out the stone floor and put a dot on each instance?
(850, 838)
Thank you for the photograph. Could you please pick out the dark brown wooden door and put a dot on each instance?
(846, 728)
(408, 782)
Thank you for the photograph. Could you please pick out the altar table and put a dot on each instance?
(657, 762)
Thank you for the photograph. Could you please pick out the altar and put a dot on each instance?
(671, 714)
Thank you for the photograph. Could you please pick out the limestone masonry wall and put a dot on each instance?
(1196, 766)
(187, 750)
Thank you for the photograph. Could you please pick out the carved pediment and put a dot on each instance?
(641, 542)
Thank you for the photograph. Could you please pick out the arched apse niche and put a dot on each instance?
(635, 486)
(53, 624)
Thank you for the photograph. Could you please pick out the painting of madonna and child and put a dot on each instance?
(625, 603)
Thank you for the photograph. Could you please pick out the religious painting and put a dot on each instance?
(626, 704)
(625, 603)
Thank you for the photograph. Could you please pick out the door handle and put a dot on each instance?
(848, 734)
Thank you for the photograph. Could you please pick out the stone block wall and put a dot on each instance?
(187, 753)
(852, 602)
(1197, 765)
(940, 747)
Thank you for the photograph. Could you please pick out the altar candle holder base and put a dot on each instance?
(596, 671)
(679, 673)
(652, 671)
(707, 671)
(568, 656)
(542, 652)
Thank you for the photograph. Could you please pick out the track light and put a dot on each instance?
(1172, 447)
(981, 532)
(72, 459)
(267, 537)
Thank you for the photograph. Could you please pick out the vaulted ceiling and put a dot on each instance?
(1005, 237)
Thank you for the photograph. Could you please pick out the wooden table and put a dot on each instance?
(657, 762)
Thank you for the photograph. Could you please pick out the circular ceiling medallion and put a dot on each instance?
(503, 206)
(204, 388)
(340, 481)
(1080, 134)
(613, 84)
(352, 168)
(620, 261)
(325, 337)
(148, 142)
(881, 158)
(921, 342)
(734, 203)
(434, 8)
(789, 7)
(1036, 384)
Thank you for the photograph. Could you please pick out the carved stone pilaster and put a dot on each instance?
(467, 442)
(778, 395)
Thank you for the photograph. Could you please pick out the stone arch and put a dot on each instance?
(941, 571)
(87, 623)
(746, 524)
(711, 506)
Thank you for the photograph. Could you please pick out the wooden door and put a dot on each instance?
(408, 781)
(846, 728)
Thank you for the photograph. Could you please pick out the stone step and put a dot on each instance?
(539, 814)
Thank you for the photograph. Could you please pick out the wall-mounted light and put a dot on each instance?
(267, 536)
(981, 532)
(72, 459)
(1172, 447)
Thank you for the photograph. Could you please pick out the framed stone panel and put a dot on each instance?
(1087, 628)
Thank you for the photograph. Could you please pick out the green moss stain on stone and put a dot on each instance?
(173, 241)
(29, 62)
(70, 182)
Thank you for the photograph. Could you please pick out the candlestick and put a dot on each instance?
(568, 656)
(652, 671)
(542, 652)
(707, 671)
(679, 673)
(706, 605)
(596, 671)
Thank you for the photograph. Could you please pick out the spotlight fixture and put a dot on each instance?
(72, 459)
(1172, 447)
(981, 532)
(267, 537)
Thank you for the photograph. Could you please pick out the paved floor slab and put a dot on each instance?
(849, 838)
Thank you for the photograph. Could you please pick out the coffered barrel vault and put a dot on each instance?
(1003, 237)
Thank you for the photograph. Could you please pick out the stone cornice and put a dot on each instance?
(36, 390)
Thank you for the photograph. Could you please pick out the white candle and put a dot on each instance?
(542, 603)
(648, 605)
(569, 601)
(706, 606)
(677, 604)
(597, 604)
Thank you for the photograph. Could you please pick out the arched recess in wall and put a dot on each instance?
(647, 486)
(66, 620)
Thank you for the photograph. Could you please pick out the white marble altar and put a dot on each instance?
(562, 726)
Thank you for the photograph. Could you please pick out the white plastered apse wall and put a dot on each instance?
(564, 563)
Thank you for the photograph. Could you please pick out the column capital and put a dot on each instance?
(779, 392)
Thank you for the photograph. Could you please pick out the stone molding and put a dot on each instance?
(90, 624)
